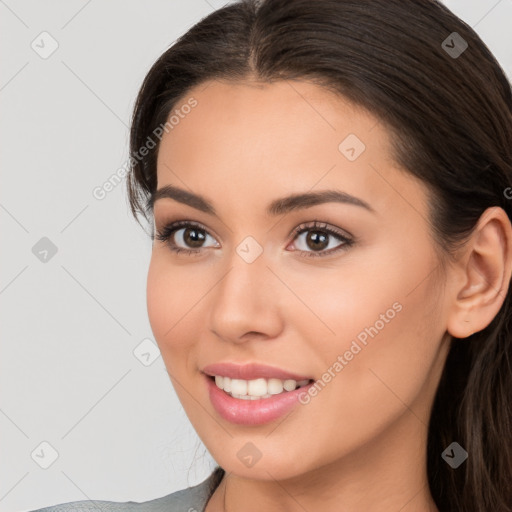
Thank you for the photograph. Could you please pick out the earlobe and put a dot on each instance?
(486, 271)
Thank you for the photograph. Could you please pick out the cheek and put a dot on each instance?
(159, 303)
(338, 306)
(168, 300)
(388, 338)
(380, 318)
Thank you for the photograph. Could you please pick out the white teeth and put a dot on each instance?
(242, 397)
(256, 388)
(249, 397)
(275, 386)
(290, 384)
(238, 387)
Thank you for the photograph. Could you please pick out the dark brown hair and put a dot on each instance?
(450, 120)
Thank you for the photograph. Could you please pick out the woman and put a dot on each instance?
(329, 187)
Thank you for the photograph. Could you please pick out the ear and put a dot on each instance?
(482, 276)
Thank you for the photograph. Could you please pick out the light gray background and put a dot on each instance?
(70, 325)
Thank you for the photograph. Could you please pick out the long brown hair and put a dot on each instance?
(448, 108)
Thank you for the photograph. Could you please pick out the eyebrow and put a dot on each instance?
(276, 207)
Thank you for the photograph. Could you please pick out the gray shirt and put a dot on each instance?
(192, 499)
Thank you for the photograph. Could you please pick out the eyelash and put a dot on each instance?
(166, 233)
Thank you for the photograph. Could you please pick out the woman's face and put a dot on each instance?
(352, 302)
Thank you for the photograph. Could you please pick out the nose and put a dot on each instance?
(246, 302)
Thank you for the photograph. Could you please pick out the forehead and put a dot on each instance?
(287, 120)
(249, 139)
(290, 108)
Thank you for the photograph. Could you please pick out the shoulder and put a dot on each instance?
(192, 499)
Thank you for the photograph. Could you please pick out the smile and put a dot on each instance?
(258, 388)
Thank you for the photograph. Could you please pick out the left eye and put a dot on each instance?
(193, 235)
(318, 236)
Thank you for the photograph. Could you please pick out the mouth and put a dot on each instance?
(253, 393)
(256, 389)
(256, 401)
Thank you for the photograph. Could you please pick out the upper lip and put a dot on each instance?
(251, 371)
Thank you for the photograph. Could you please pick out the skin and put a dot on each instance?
(360, 444)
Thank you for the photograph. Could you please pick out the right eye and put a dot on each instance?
(190, 234)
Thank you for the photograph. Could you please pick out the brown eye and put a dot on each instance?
(184, 236)
(193, 237)
(318, 238)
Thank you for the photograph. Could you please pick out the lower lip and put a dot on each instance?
(253, 412)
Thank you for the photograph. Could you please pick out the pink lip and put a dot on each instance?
(252, 412)
(251, 371)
